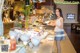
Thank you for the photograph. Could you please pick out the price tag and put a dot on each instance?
(4, 48)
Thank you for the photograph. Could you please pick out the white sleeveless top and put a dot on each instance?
(57, 29)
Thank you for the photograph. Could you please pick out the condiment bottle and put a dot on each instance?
(12, 43)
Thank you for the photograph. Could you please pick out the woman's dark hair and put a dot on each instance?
(60, 11)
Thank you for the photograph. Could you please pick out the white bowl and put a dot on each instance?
(35, 41)
(12, 33)
(24, 37)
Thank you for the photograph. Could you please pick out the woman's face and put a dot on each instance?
(57, 13)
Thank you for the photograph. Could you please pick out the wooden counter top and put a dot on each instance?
(66, 46)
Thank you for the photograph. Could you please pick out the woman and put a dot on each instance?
(59, 31)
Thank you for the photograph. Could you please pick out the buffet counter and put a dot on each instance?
(46, 45)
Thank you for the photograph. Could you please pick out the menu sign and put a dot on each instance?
(70, 16)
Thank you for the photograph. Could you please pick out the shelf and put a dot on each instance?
(66, 2)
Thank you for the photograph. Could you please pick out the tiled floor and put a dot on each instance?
(74, 37)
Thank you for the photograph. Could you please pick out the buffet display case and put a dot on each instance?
(37, 38)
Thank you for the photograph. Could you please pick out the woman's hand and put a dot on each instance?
(52, 23)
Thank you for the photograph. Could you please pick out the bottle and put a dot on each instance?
(12, 43)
